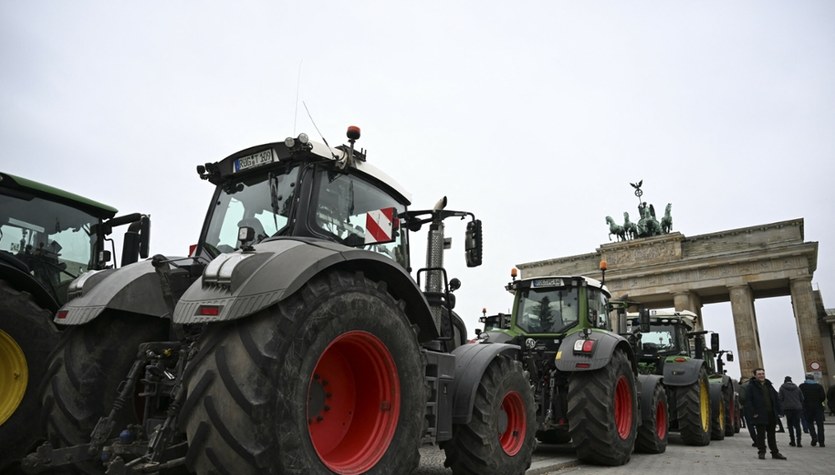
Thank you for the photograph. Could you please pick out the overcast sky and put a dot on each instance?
(533, 115)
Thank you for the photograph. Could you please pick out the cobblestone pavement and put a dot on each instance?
(734, 455)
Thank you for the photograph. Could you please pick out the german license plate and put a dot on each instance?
(254, 160)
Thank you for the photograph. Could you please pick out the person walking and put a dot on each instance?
(791, 399)
(813, 398)
(763, 409)
(743, 401)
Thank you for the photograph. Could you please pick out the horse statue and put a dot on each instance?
(630, 229)
(667, 220)
(615, 229)
(648, 226)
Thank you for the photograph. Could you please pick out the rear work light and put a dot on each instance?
(585, 347)
(62, 314)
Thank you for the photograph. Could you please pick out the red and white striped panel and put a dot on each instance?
(379, 226)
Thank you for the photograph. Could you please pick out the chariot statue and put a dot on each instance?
(648, 224)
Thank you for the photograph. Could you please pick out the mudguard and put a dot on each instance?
(604, 348)
(242, 283)
(133, 288)
(21, 280)
(647, 384)
(471, 362)
(684, 373)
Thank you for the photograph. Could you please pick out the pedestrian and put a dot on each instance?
(763, 408)
(744, 385)
(830, 399)
(791, 399)
(813, 399)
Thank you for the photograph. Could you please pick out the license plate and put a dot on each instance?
(254, 160)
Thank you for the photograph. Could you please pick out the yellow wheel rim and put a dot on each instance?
(14, 376)
(722, 415)
(704, 404)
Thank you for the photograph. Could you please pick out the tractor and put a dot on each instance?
(585, 377)
(48, 237)
(703, 403)
(292, 339)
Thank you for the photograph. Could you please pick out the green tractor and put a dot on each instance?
(585, 377)
(48, 237)
(703, 402)
(293, 339)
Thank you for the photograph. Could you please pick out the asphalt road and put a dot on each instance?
(734, 455)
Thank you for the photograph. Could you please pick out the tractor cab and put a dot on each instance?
(303, 189)
(48, 237)
(669, 337)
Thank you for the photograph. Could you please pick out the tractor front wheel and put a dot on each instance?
(693, 409)
(717, 413)
(730, 411)
(603, 412)
(653, 434)
(330, 380)
(500, 436)
(27, 336)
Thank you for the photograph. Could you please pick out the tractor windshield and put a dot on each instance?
(661, 339)
(550, 310)
(48, 240)
(348, 211)
(265, 205)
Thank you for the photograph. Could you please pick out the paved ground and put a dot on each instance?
(734, 455)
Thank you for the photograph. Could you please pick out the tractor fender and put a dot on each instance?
(133, 288)
(682, 373)
(23, 281)
(241, 283)
(716, 395)
(471, 361)
(647, 384)
(605, 345)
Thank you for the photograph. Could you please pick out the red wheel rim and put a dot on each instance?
(623, 408)
(512, 423)
(661, 420)
(353, 403)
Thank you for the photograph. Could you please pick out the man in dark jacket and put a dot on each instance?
(763, 408)
(791, 399)
(813, 398)
(743, 400)
(830, 399)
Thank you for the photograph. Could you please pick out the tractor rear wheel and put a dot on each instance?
(653, 433)
(693, 409)
(603, 412)
(730, 411)
(500, 436)
(330, 380)
(27, 336)
(85, 372)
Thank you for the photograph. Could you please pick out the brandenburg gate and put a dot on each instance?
(739, 265)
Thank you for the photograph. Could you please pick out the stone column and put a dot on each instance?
(805, 315)
(745, 328)
(690, 301)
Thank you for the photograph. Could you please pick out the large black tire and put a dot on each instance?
(693, 410)
(85, 372)
(553, 436)
(500, 436)
(27, 336)
(717, 413)
(603, 412)
(654, 429)
(329, 380)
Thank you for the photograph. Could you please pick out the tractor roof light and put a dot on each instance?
(514, 272)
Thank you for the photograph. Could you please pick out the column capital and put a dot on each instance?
(801, 279)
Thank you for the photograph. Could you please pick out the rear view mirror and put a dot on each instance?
(473, 243)
(729, 357)
(714, 342)
(644, 320)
